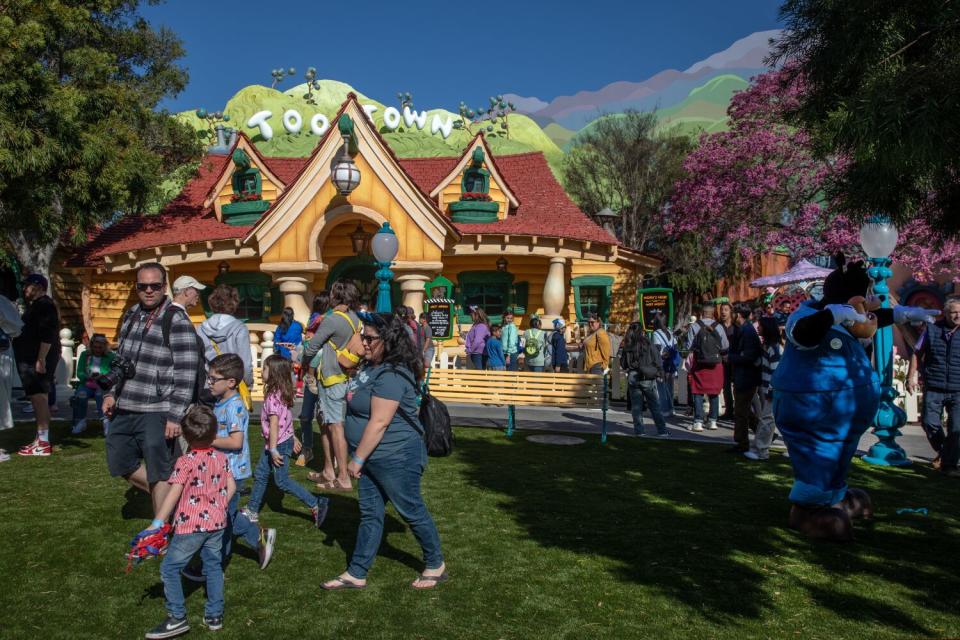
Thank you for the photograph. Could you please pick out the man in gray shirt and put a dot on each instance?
(332, 335)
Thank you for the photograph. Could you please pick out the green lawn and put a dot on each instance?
(639, 539)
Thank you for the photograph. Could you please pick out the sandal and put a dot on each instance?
(435, 580)
(332, 486)
(340, 583)
(317, 477)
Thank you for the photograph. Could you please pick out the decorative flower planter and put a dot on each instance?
(473, 211)
(244, 212)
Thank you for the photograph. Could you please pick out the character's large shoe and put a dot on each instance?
(821, 523)
(857, 504)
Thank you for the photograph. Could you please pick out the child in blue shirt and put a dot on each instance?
(494, 350)
(224, 375)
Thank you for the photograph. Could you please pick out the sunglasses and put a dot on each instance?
(368, 339)
(149, 286)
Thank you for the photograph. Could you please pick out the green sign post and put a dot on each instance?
(650, 302)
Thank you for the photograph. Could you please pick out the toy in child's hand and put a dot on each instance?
(147, 544)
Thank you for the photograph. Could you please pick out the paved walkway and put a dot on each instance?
(579, 421)
(620, 423)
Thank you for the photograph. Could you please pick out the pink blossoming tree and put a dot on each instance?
(761, 185)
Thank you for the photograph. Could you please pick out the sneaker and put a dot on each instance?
(169, 628)
(697, 426)
(36, 448)
(665, 434)
(214, 623)
(4, 456)
(193, 573)
(268, 537)
(320, 511)
(80, 427)
(753, 455)
(712, 425)
(250, 515)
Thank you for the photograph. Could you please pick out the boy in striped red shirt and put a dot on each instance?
(201, 488)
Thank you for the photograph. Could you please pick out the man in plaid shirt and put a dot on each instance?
(146, 409)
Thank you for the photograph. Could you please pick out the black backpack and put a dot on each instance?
(433, 416)
(201, 394)
(640, 358)
(707, 347)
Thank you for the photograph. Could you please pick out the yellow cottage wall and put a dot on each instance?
(626, 280)
(372, 194)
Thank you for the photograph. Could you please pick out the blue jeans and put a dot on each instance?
(934, 402)
(308, 411)
(476, 361)
(665, 391)
(181, 549)
(512, 365)
(79, 401)
(238, 525)
(395, 479)
(281, 476)
(644, 392)
(698, 407)
(538, 368)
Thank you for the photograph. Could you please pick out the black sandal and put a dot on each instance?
(342, 583)
(443, 577)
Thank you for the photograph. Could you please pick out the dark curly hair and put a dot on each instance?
(398, 348)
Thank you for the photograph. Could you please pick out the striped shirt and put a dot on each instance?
(203, 503)
(768, 363)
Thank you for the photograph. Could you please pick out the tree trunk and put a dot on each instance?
(33, 254)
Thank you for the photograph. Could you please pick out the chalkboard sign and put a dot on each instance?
(440, 317)
(654, 301)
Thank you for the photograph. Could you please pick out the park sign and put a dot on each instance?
(440, 317)
(318, 124)
(652, 302)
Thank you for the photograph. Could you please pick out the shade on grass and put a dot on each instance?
(638, 539)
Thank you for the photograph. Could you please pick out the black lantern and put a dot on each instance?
(360, 240)
(502, 264)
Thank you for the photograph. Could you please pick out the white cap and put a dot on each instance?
(185, 282)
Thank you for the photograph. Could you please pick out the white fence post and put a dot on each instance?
(64, 371)
(266, 347)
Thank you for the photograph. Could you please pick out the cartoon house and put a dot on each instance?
(496, 232)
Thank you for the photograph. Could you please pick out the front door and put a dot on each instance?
(361, 271)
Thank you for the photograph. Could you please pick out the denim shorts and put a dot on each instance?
(333, 403)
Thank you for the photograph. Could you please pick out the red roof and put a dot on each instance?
(545, 209)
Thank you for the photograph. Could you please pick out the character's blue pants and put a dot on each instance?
(822, 430)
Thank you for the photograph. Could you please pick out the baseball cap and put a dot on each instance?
(558, 323)
(37, 279)
(185, 282)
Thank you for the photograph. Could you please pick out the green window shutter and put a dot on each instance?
(592, 294)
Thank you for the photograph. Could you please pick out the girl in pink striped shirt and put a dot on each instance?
(280, 445)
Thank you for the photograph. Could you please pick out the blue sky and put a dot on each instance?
(444, 52)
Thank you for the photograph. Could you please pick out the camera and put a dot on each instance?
(120, 369)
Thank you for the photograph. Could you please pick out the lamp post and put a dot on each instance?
(384, 246)
(878, 237)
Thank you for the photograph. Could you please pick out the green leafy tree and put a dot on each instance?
(881, 86)
(80, 136)
(622, 163)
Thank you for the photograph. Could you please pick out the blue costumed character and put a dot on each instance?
(826, 394)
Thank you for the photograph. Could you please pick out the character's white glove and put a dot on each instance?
(903, 314)
(845, 314)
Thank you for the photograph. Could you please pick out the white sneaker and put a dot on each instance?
(80, 427)
(697, 426)
(753, 455)
(712, 425)
(251, 516)
(4, 456)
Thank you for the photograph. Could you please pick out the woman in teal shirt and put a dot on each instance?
(387, 453)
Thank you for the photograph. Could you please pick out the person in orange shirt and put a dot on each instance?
(596, 346)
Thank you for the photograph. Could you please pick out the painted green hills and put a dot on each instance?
(525, 134)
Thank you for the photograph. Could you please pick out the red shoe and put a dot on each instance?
(36, 448)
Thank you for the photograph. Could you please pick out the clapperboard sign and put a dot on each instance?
(653, 302)
(440, 317)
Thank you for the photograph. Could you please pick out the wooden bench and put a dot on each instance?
(526, 388)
